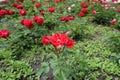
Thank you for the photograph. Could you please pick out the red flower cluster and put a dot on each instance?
(4, 1)
(58, 40)
(93, 12)
(51, 9)
(67, 18)
(37, 5)
(38, 20)
(83, 10)
(6, 12)
(81, 14)
(18, 6)
(84, 5)
(56, 1)
(42, 12)
(4, 33)
(27, 23)
(114, 21)
(22, 12)
(19, 1)
(118, 10)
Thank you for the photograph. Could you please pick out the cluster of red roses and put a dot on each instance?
(58, 1)
(67, 18)
(83, 10)
(58, 41)
(29, 23)
(22, 11)
(6, 12)
(4, 33)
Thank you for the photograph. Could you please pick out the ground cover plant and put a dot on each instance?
(59, 40)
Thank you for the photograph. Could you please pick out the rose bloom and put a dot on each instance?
(70, 43)
(3, 12)
(84, 5)
(93, 12)
(71, 17)
(10, 12)
(42, 12)
(118, 10)
(22, 21)
(4, 33)
(22, 12)
(65, 18)
(58, 40)
(62, 18)
(81, 14)
(4, 1)
(21, 0)
(51, 9)
(15, 5)
(56, 1)
(40, 21)
(37, 5)
(19, 6)
(84, 10)
(46, 40)
(114, 21)
(28, 23)
(35, 18)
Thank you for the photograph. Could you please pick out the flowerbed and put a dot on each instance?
(59, 40)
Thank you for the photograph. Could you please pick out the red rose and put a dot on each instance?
(81, 14)
(22, 12)
(1, 34)
(40, 21)
(10, 12)
(19, 6)
(71, 17)
(114, 21)
(84, 5)
(35, 18)
(37, 5)
(4, 33)
(70, 43)
(57, 1)
(4, 1)
(42, 12)
(51, 9)
(15, 5)
(22, 21)
(28, 23)
(84, 10)
(66, 19)
(93, 12)
(3, 12)
(21, 0)
(46, 40)
(62, 19)
(118, 10)
(58, 40)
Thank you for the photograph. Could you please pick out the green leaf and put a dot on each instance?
(43, 69)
